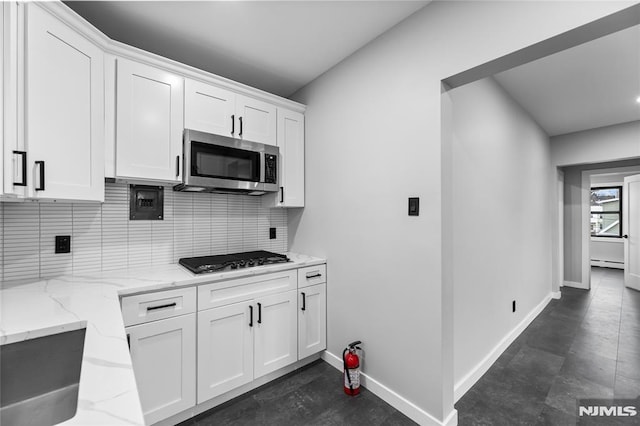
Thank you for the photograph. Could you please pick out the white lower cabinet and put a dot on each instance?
(163, 354)
(312, 320)
(225, 349)
(275, 339)
(246, 328)
(240, 342)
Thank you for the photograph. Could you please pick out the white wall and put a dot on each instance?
(610, 143)
(103, 237)
(373, 138)
(501, 176)
(605, 147)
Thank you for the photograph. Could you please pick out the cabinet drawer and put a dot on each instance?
(243, 289)
(312, 275)
(154, 306)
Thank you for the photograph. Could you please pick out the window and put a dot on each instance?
(606, 211)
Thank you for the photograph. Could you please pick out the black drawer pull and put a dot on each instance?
(22, 154)
(313, 276)
(304, 301)
(129, 340)
(168, 305)
(250, 315)
(259, 313)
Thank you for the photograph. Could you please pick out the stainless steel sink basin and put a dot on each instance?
(39, 379)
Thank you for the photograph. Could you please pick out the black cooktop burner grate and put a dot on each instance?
(204, 264)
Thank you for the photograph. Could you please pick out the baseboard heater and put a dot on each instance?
(607, 263)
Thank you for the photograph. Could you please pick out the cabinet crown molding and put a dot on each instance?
(118, 49)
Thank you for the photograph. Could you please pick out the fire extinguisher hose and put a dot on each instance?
(346, 370)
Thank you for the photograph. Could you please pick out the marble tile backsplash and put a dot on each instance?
(103, 237)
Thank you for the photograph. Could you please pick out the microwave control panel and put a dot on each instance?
(270, 168)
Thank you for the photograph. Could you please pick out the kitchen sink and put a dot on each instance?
(39, 379)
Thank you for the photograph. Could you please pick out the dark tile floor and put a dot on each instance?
(585, 345)
(310, 396)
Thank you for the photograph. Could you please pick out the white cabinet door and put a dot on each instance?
(291, 143)
(149, 110)
(164, 359)
(256, 120)
(225, 349)
(209, 109)
(291, 168)
(312, 320)
(275, 332)
(64, 98)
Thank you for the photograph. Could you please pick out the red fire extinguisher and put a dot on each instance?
(351, 368)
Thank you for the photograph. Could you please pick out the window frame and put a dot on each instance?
(618, 212)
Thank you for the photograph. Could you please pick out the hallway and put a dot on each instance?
(587, 344)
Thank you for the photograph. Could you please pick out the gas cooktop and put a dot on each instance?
(225, 262)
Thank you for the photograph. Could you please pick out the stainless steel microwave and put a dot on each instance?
(214, 163)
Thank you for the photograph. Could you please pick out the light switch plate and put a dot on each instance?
(414, 206)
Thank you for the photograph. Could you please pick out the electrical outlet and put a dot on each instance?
(513, 306)
(272, 233)
(63, 244)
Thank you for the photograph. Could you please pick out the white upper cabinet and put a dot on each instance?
(149, 117)
(209, 108)
(64, 110)
(257, 120)
(212, 109)
(12, 156)
(291, 169)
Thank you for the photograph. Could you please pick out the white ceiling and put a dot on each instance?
(592, 85)
(277, 46)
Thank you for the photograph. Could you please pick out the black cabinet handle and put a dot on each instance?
(282, 194)
(625, 236)
(313, 276)
(233, 124)
(129, 340)
(259, 313)
(250, 315)
(22, 154)
(240, 118)
(41, 187)
(177, 165)
(168, 305)
(304, 301)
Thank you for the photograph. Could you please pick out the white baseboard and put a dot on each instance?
(556, 295)
(472, 377)
(394, 399)
(576, 284)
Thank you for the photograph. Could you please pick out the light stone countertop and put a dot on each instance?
(107, 393)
